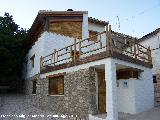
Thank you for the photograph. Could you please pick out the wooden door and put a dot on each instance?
(101, 92)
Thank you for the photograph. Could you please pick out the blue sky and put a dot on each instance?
(136, 17)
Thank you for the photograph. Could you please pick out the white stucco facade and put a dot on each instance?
(85, 33)
(154, 42)
(45, 45)
(48, 41)
(96, 27)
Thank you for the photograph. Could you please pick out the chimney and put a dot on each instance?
(70, 10)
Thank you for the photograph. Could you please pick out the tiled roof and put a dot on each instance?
(149, 34)
(94, 20)
(123, 35)
(39, 22)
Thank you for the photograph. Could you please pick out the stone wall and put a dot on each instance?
(79, 94)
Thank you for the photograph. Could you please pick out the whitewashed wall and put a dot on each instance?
(55, 41)
(38, 50)
(139, 96)
(85, 33)
(154, 42)
(126, 96)
(96, 27)
(45, 45)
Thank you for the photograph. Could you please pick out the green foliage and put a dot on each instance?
(11, 51)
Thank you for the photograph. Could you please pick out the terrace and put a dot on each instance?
(108, 44)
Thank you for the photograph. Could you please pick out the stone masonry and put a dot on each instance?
(79, 94)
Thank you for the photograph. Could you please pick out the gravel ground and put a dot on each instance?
(17, 107)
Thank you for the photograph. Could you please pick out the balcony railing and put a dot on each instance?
(107, 41)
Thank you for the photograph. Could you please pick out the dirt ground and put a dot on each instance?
(152, 114)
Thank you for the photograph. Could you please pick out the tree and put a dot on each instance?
(11, 51)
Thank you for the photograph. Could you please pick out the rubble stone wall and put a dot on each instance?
(79, 94)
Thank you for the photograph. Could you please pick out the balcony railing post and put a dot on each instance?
(110, 40)
(135, 50)
(74, 54)
(71, 51)
(149, 55)
(79, 48)
(107, 41)
(100, 40)
(54, 56)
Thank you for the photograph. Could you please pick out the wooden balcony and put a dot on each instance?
(108, 44)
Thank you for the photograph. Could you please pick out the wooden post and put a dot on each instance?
(149, 55)
(54, 56)
(74, 54)
(135, 53)
(100, 40)
(107, 40)
(111, 44)
(57, 55)
(137, 50)
(79, 48)
(71, 52)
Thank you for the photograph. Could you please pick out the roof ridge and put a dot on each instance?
(124, 35)
(150, 34)
(94, 20)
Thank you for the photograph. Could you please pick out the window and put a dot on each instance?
(32, 60)
(34, 87)
(128, 73)
(56, 85)
(154, 79)
(93, 35)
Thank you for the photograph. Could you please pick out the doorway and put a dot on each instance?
(101, 91)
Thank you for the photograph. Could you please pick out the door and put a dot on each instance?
(101, 91)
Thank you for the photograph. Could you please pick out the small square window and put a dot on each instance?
(128, 73)
(34, 87)
(93, 35)
(154, 79)
(56, 85)
(32, 61)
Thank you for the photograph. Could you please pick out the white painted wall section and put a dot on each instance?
(45, 45)
(85, 33)
(126, 96)
(144, 92)
(111, 90)
(154, 42)
(96, 27)
(139, 96)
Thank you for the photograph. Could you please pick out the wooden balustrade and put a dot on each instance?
(133, 49)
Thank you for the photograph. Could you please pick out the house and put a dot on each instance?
(152, 40)
(77, 66)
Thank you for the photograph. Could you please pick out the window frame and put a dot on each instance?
(34, 87)
(93, 35)
(128, 73)
(32, 61)
(56, 79)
